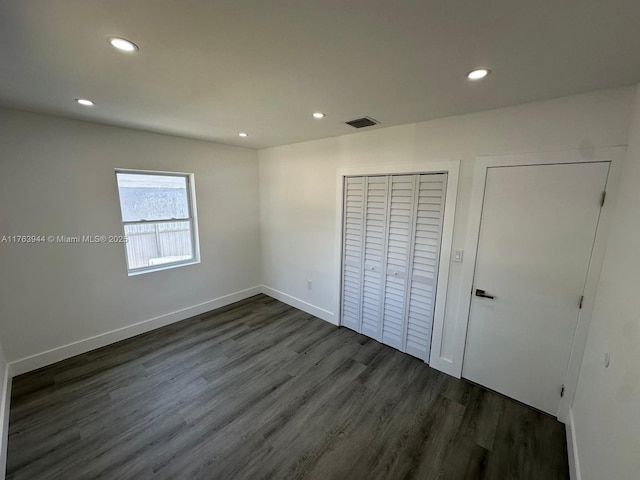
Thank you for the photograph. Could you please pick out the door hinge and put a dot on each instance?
(581, 301)
(604, 195)
(562, 391)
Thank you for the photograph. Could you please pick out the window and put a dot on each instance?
(158, 220)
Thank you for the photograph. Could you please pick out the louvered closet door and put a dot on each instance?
(397, 262)
(353, 249)
(392, 235)
(375, 233)
(427, 239)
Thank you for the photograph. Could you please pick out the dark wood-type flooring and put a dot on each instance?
(258, 390)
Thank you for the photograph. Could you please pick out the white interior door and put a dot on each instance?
(536, 235)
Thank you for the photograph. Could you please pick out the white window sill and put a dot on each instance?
(166, 266)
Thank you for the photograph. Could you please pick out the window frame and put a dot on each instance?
(192, 219)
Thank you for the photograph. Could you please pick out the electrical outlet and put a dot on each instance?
(458, 253)
(309, 284)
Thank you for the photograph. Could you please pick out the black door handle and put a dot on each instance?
(483, 294)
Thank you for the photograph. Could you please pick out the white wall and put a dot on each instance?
(606, 407)
(57, 178)
(298, 182)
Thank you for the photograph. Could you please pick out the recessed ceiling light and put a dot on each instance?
(242, 134)
(478, 74)
(318, 115)
(84, 102)
(123, 45)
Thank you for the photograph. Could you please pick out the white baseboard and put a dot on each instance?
(27, 364)
(4, 421)
(572, 449)
(301, 304)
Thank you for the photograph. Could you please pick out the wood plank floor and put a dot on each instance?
(262, 390)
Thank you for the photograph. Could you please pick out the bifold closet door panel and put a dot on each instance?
(401, 219)
(352, 251)
(375, 234)
(424, 269)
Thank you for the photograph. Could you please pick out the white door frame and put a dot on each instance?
(611, 154)
(452, 169)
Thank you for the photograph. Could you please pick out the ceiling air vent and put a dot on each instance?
(362, 122)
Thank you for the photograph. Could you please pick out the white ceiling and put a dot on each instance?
(211, 68)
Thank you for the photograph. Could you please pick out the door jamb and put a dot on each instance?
(611, 154)
(452, 169)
